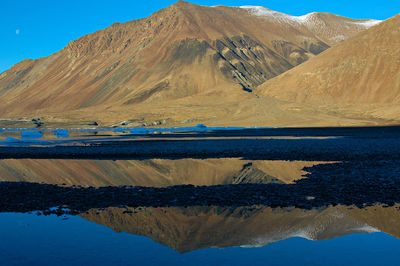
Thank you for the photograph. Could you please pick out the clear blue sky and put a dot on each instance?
(37, 28)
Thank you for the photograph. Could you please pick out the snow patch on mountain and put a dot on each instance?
(265, 12)
(368, 23)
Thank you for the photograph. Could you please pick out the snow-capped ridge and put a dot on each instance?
(305, 19)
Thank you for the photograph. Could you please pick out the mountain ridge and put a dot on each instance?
(184, 59)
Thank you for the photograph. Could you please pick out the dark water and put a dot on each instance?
(351, 233)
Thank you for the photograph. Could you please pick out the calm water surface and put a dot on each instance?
(31, 240)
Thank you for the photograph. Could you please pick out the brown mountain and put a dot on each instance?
(360, 76)
(183, 64)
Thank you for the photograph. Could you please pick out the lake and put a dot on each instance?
(231, 197)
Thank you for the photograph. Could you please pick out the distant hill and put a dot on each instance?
(361, 76)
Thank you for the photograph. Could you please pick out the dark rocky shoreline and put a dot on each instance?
(341, 149)
(347, 144)
(359, 183)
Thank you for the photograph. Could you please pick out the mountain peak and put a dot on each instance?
(185, 55)
(181, 3)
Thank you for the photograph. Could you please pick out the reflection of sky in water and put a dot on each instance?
(31, 135)
(27, 239)
(38, 133)
(23, 136)
(61, 133)
(40, 136)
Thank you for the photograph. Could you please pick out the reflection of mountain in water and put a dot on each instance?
(187, 229)
(155, 172)
(251, 174)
